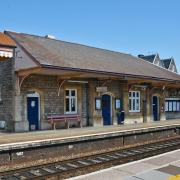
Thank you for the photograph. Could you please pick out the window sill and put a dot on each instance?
(172, 111)
(134, 111)
(70, 113)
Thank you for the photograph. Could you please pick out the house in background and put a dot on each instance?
(168, 64)
(48, 77)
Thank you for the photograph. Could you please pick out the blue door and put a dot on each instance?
(106, 109)
(155, 108)
(33, 112)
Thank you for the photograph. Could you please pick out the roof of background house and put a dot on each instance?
(6, 40)
(166, 62)
(55, 53)
(149, 58)
(162, 63)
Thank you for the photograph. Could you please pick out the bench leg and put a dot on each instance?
(54, 126)
(80, 124)
(68, 124)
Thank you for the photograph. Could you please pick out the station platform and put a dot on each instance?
(19, 150)
(162, 167)
(85, 133)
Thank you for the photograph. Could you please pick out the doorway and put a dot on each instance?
(106, 109)
(33, 111)
(155, 108)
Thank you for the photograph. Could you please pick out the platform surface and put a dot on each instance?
(48, 135)
(161, 167)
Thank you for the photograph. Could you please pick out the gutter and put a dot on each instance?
(7, 46)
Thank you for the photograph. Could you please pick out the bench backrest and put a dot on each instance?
(71, 116)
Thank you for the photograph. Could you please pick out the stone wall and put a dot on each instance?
(114, 89)
(7, 94)
(133, 117)
(146, 107)
(50, 102)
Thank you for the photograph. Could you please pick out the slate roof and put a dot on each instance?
(162, 63)
(166, 62)
(64, 55)
(149, 58)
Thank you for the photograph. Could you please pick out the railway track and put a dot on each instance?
(74, 167)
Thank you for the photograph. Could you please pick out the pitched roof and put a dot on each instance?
(149, 58)
(6, 40)
(166, 62)
(59, 54)
(162, 63)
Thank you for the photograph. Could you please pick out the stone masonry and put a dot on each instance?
(7, 87)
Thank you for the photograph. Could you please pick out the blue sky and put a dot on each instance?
(130, 26)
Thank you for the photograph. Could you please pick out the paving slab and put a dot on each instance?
(175, 154)
(131, 178)
(177, 163)
(171, 169)
(106, 175)
(160, 161)
(137, 167)
(153, 175)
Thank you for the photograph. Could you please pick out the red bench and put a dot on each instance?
(55, 119)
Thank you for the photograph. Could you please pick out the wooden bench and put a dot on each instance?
(66, 118)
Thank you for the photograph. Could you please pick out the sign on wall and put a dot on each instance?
(97, 103)
(101, 89)
(117, 103)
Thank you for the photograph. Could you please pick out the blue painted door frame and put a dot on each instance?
(106, 109)
(155, 108)
(33, 112)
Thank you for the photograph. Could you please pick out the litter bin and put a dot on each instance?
(120, 117)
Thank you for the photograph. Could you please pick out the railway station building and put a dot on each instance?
(45, 77)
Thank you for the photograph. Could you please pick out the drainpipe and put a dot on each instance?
(87, 103)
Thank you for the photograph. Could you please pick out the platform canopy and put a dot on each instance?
(6, 47)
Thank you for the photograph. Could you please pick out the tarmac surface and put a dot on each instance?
(162, 167)
(10, 138)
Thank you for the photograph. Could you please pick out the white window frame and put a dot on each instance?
(134, 98)
(70, 98)
(172, 104)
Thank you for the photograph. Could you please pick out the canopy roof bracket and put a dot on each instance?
(20, 80)
(60, 84)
